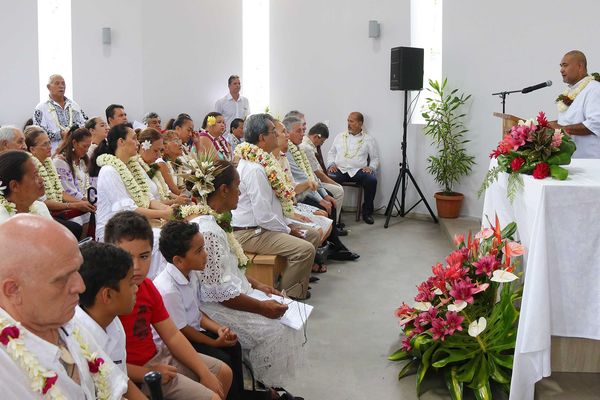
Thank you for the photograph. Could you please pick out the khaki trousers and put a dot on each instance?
(337, 192)
(300, 254)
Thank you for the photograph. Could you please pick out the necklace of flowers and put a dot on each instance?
(157, 178)
(301, 160)
(42, 380)
(11, 208)
(98, 368)
(279, 181)
(54, 114)
(52, 185)
(139, 193)
(220, 144)
(347, 153)
(564, 100)
(223, 220)
(82, 182)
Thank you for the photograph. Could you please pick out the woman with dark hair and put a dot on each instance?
(20, 186)
(122, 186)
(184, 127)
(61, 204)
(230, 298)
(99, 129)
(211, 138)
(151, 149)
(168, 163)
(71, 161)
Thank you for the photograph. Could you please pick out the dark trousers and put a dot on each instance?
(368, 183)
(74, 227)
(232, 356)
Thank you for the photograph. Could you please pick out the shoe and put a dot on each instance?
(342, 232)
(308, 295)
(368, 219)
(314, 279)
(343, 255)
(341, 225)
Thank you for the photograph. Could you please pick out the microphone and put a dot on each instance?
(536, 87)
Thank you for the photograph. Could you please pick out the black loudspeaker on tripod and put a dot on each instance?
(406, 74)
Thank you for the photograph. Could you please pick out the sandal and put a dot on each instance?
(318, 268)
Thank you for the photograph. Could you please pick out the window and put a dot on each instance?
(426, 32)
(54, 43)
(255, 59)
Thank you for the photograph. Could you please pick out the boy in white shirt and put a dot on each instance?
(107, 272)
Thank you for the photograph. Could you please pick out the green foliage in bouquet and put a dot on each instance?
(464, 321)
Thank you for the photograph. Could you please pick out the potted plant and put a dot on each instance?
(445, 126)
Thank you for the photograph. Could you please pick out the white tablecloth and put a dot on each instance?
(559, 223)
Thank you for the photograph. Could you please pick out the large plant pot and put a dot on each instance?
(448, 205)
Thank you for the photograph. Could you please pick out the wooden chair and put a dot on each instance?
(359, 197)
(266, 268)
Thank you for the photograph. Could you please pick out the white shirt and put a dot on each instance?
(258, 205)
(357, 153)
(310, 150)
(232, 109)
(585, 109)
(49, 114)
(180, 296)
(111, 340)
(39, 208)
(15, 383)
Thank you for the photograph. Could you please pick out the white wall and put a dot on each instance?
(167, 57)
(19, 65)
(324, 64)
(494, 46)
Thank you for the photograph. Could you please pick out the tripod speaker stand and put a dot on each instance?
(402, 181)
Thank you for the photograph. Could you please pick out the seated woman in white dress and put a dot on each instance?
(71, 163)
(20, 186)
(273, 349)
(66, 209)
(151, 148)
(122, 186)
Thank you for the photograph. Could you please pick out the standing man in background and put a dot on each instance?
(233, 105)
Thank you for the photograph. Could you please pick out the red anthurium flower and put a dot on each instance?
(517, 163)
(541, 171)
(10, 332)
(50, 381)
(95, 364)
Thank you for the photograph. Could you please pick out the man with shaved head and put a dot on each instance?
(579, 105)
(41, 351)
(57, 114)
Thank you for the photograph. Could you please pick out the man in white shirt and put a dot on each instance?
(258, 221)
(116, 115)
(233, 105)
(581, 118)
(57, 114)
(39, 289)
(11, 138)
(354, 157)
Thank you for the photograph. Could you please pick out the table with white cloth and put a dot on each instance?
(558, 222)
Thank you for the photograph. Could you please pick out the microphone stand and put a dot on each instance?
(503, 97)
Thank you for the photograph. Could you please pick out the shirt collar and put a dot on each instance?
(306, 140)
(92, 327)
(177, 276)
(577, 83)
(67, 101)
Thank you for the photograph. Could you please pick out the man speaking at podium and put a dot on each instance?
(579, 105)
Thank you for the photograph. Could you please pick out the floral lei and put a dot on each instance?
(280, 182)
(566, 98)
(132, 177)
(156, 175)
(43, 380)
(301, 160)
(52, 185)
(54, 114)
(223, 220)
(347, 153)
(11, 208)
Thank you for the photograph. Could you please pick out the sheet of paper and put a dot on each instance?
(297, 313)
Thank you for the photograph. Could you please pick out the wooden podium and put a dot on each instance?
(508, 121)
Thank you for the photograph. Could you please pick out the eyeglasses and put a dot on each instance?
(44, 144)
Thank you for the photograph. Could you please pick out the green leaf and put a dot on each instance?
(424, 366)
(558, 172)
(504, 360)
(409, 369)
(482, 376)
(399, 355)
(484, 392)
(453, 356)
(452, 383)
(509, 230)
(467, 371)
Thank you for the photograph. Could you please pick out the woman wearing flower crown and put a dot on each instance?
(122, 185)
(273, 349)
(151, 148)
(211, 137)
(66, 208)
(20, 186)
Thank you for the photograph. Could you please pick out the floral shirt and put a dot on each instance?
(54, 119)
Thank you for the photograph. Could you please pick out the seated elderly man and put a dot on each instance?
(57, 114)
(11, 138)
(42, 353)
(348, 161)
(265, 200)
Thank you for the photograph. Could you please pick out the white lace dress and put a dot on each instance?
(274, 350)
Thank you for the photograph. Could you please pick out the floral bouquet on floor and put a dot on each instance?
(463, 322)
(531, 148)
